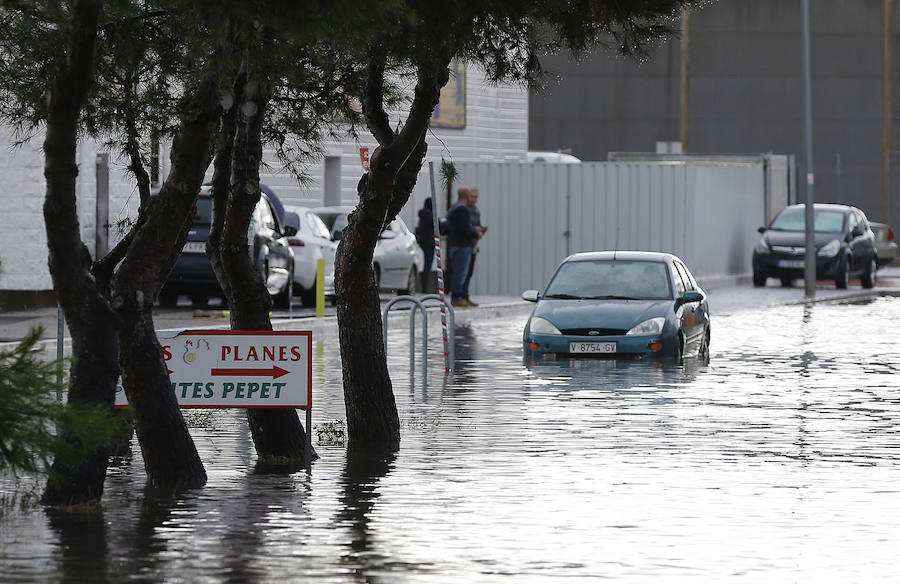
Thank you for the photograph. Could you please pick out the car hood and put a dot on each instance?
(797, 238)
(608, 314)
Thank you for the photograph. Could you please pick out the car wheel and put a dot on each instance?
(678, 356)
(703, 353)
(869, 278)
(842, 276)
(308, 297)
(411, 280)
(199, 300)
(759, 279)
(786, 282)
(283, 298)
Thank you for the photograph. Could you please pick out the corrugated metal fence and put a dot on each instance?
(538, 213)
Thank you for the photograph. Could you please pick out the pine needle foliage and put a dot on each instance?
(32, 421)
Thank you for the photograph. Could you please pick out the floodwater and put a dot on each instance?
(778, 461)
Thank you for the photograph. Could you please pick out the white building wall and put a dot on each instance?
(496, 130)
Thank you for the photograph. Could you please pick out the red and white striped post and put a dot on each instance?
(448, 366)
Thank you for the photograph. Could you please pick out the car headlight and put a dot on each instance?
(650, 326)
(761, 246)
(830, 249)
(542, 326)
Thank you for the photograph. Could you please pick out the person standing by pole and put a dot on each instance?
(425, 239)
(476, 222)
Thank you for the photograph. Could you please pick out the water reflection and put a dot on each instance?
(82, 545)
(775, 462)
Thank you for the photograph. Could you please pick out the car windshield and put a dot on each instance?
(608, 279)
(795, 220)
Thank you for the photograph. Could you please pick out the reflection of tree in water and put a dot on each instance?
(362, 473)
(82, 544)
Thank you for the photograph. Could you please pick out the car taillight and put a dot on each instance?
(294, 242)
(890, 234)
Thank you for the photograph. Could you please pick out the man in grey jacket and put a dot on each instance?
(475, 215)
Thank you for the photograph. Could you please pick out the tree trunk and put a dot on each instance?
(91, 321)
(277, 433)
(170, 457)
(372, 418)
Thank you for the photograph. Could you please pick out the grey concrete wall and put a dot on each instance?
(745, 94)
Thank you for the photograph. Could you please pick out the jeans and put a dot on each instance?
(459, 264)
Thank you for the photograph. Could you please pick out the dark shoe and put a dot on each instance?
(471, 303)
(460, 303)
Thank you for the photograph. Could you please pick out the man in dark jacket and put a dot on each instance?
(461, 237)
(425, 239)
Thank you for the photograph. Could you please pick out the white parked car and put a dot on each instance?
(311, 243)
(398, 260)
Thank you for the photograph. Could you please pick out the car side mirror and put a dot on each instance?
(336, 235)
(291, 224)
(689, 296)
(531, 295)
(857, 232)
(761, 229)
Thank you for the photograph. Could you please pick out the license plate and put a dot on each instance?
(195, 247)
(592, 347)
(790, 263)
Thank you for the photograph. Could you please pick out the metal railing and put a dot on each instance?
(419, 304)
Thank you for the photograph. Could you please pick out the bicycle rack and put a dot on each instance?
(419, 304)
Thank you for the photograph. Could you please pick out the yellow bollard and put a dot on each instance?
(320, 288)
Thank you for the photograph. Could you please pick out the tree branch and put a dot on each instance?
(373, 100)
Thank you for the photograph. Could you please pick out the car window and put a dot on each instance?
(679, 282)
(641, 280)
(685, 276)
(317, 226)
(863, 222)
(794, 219)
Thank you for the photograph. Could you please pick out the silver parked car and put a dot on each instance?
(398, 259)
(885, 246)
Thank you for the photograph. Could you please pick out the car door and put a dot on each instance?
(866, 243)
(390, 257)
(701, 309)
(690, 319)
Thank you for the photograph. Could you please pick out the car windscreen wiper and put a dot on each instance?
(611, 297)
(565, 296)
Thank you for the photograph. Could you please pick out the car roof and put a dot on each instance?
(624, 255)
(333, 209)
(206, 191)
(825, 207)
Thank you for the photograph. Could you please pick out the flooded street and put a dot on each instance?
(776, 462)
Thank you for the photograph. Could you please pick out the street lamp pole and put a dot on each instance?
(810, 256)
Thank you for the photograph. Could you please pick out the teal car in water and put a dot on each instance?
(619, 304)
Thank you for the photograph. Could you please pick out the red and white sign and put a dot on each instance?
(364, 158)
(238, 369)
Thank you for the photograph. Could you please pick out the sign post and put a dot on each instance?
(239, 369)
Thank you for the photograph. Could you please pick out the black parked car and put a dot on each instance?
(845, 246)
(193, 274)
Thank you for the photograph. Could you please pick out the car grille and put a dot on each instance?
(789, 250)
(597, 332)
